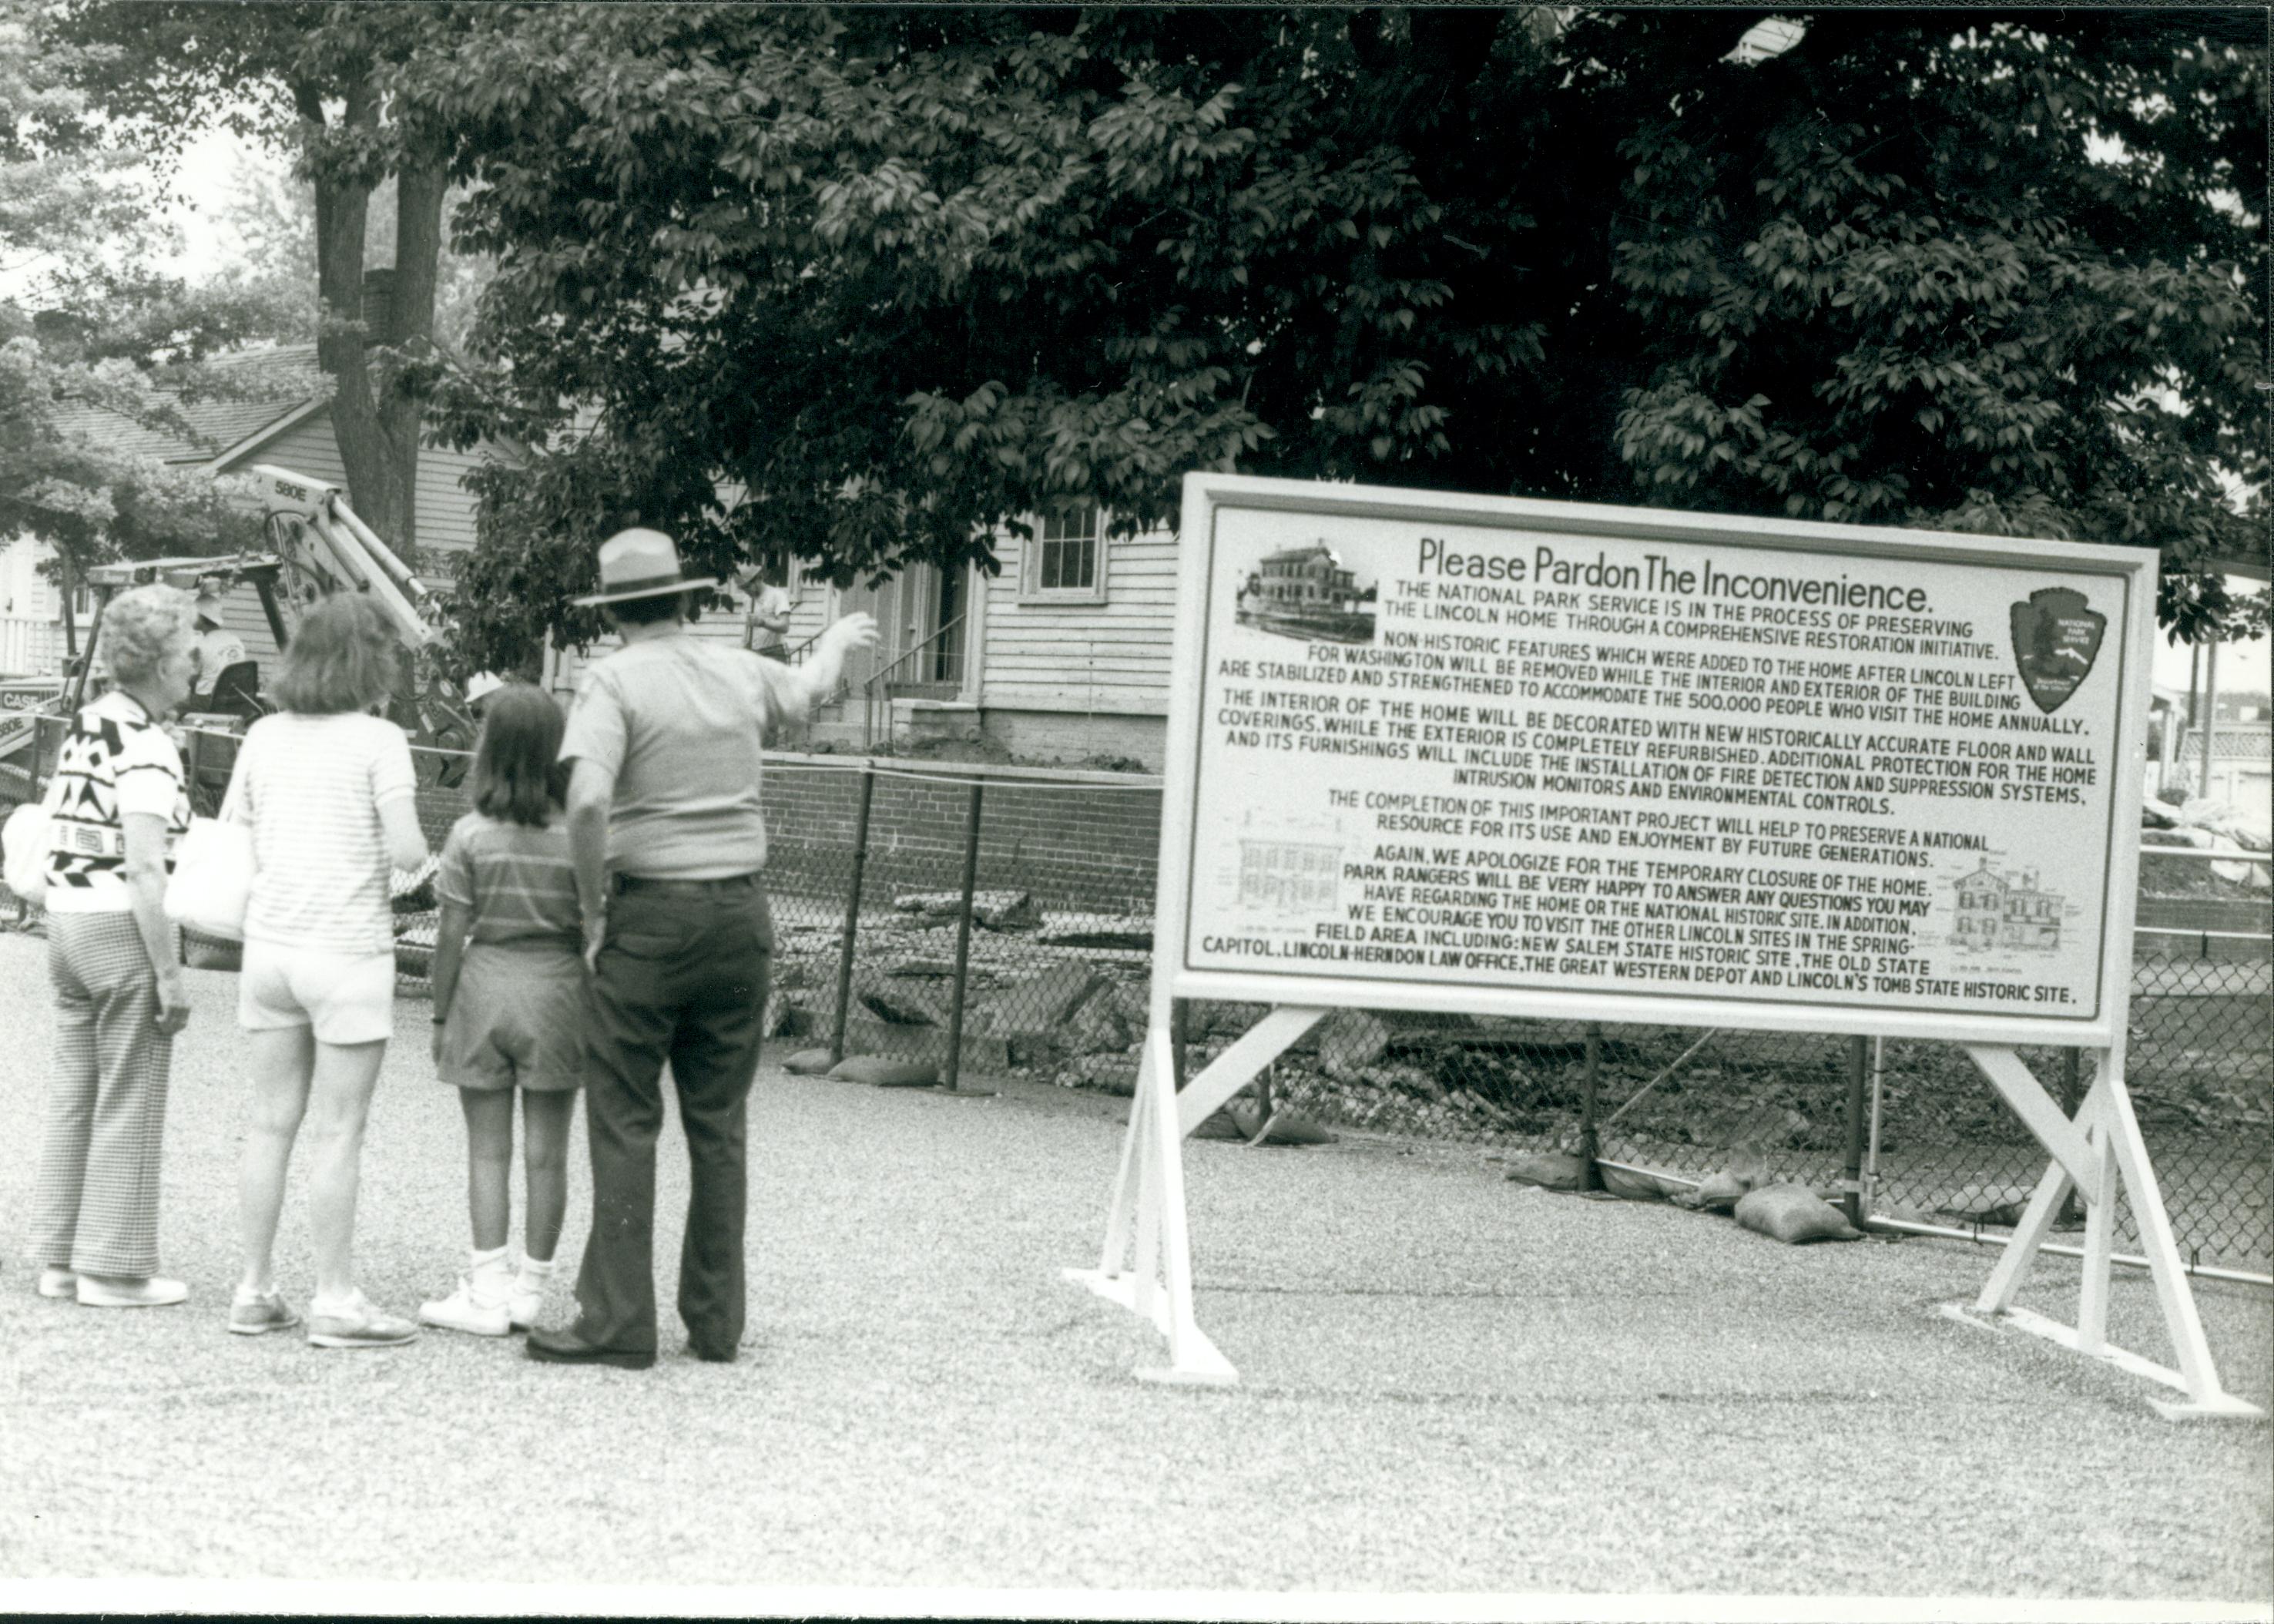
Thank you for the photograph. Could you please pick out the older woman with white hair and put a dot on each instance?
(111, 961)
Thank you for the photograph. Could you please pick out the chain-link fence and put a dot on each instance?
(1045, 975)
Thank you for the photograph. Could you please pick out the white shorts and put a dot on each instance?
(346, 997)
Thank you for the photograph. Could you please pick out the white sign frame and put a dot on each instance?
(2089, 1153)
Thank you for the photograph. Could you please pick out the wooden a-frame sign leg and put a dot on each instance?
(1149, 1194)
(2091, 1152)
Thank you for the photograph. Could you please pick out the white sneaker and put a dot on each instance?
(155, 1291)
(469, 1308)
(58, 1282)
(356, 1323)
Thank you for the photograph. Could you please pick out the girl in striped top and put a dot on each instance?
(510, 1005)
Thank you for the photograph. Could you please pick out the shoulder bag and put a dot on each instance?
(212, 881)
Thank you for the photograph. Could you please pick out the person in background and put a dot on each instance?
(766, 623)
(328, 790)
(119, 992)
(665, 827)
(508, 981)
(480, 687)
(218, 647)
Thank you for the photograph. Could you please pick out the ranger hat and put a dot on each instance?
(640, 563)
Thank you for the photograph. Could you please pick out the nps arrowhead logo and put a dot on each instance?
(2055, 639)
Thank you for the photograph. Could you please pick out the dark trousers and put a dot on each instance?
(681, 977)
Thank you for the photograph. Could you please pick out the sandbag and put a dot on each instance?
(1719, 1193)
(809, 1062)
(885, 1073)
(1286, 1128)
(1548, 1168)
(1794, 1215)
(1640, 1184)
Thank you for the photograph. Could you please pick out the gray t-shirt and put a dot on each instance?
(679, 718)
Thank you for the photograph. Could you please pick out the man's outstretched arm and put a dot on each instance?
(806, 685)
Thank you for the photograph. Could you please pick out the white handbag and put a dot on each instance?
(23, 846)
(25, 840)
(212, 880)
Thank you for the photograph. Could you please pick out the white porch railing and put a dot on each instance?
(29, 647)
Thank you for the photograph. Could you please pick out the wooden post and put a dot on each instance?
(852, 914)
(1859, 1068)
(2072, 1097)
(951, 1080)
(1590, 1177)
(2209, 735)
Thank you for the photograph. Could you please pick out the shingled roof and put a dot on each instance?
(216, 424)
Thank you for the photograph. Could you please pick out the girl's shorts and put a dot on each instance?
(517, 1020)
(346, 997)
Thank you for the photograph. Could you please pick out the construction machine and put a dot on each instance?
(316, 546)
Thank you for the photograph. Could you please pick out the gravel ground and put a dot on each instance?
(1450, 1384)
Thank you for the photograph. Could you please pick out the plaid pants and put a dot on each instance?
(95, 1209)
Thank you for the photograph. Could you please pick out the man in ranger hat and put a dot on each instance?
(668, 845)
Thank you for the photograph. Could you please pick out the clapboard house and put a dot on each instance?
(1062, 657)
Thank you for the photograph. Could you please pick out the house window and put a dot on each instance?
(1065, 559)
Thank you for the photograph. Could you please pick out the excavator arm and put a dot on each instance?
(326, 548)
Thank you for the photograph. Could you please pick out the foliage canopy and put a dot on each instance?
(892, 278)
(104, 329)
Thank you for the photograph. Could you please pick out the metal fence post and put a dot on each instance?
(1590, 1177)
(1859, 1068)
(2072, 1095)
(950, 1083)
(852, 914)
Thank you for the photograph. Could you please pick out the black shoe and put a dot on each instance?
(567, 1348)
(713, 1356)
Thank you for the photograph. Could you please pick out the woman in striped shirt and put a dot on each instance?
(328, 790)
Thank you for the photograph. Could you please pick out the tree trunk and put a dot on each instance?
(376, 423)
(419, 192)
(70, 581)
(342, 205)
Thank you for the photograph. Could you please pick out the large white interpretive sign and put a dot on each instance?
(1471, 754)
(1538, 749)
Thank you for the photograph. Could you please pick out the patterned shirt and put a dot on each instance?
(518, 880)
(115, 760)
(311, 786)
